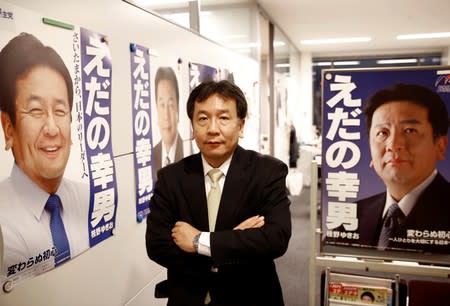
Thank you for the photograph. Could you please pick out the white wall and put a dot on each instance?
(117, 271)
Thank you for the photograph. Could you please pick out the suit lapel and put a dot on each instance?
(179, 151)
(194, 191)
(370, 214)
(427, 210)
(232, 190)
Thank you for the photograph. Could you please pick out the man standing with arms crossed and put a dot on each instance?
(228, 259)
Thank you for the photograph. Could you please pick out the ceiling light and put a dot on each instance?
(278, 43)
(284, 65)
(322, 64)
(441, 72)
(346, 63)
(424, 35)
(397, 61)
(335, 40)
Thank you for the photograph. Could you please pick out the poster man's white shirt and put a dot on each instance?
(25, 223)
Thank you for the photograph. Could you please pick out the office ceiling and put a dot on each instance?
(382, 20)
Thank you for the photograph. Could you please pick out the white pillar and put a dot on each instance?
(446, 57)
(306, 97)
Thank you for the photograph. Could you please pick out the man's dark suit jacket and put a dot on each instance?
(431, 212)
(157, 153)
(255, 185)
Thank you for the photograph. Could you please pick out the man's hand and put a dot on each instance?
(183, 235)
(252, 222)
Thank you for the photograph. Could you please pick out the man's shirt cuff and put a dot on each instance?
(204, 245)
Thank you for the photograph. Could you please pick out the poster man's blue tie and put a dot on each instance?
(59, 236)
(393, 220)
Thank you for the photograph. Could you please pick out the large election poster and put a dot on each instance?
(57, 179)
(380, 189)
(142, 128)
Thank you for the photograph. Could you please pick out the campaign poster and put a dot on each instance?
(171, 125)
(365, 172)
(142, 128)
(57, 177)
(199, 73)
(226, 74)
(96, 82)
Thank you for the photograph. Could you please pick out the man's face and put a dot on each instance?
(216, 128)
(40, 138)
(167, 108)
(403, 149)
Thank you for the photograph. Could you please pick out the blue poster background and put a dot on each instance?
(367, 82)
(199, 73)
(96, 87)
(142, 129)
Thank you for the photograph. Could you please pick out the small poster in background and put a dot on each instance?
(142, 129)
(200, 73)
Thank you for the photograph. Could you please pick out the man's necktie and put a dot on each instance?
(167, 160)
(393, 220)
(214, 197)
(213, 206)
(59, 236)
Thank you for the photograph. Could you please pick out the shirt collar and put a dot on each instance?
(224, 167)
(171, 152)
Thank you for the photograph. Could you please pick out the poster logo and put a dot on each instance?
(442, 83)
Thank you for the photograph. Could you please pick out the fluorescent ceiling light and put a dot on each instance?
(424, 35)
(322, 64)
(435, 60)
(342, 40)
(346, 63)
(278, 43)
(285, 65)
(397, 61)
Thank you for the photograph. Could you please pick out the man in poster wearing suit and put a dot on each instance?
(42, 214)
(231, 262)
(407, 126)
(167, 96)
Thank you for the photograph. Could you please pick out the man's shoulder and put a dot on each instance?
(369, 206)
(441, 182)
(74, 189)
(257, 157)
(158, 147)
(373, 198)
(75, 184)
(7, 190)
(188, 163)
